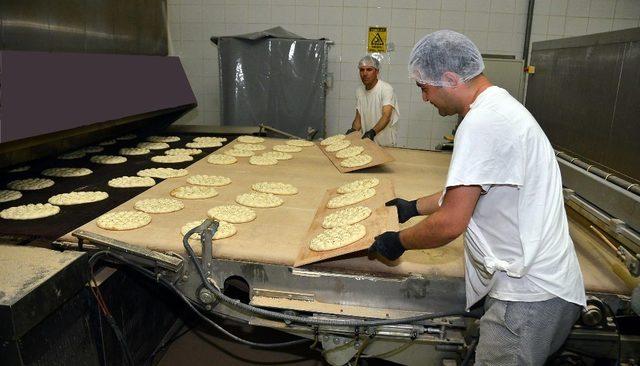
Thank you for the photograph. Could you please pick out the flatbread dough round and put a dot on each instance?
(349, 152)
(262, 160)
(73, 155)
(250, 147)
(278, 155)
(66, 172)
(163, 138)
(130, 136)
(183, 152)
(287, 148)
(163, 173)
(30, 184)
(332, 139)
(234, 214)
(108, 159)
(30, 211)
(239, 153)
(7, 195)
(203, 144)
(274, 187)
(123, 220)
(77, 198)
(107, 142)
(19, 169)
(351, 198)
(131, 182)
(92, 149)
(225, 230)
(347, 216)
(171, 158)
(355, 161)
(209, 180)
(358, 185)
(250, 139)
(299, 143)
(221, 159)
(158, 205)
(194, 192)
(261, 200)
(337, 237)
(342, 144)
(134, 151)
(153, 145)
(209, 139)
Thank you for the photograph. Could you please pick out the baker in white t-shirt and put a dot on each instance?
(504, 193)
(376, 105)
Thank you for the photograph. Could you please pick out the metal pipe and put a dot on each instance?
(527, 33)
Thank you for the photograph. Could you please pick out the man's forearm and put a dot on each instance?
(429, 204)
(432, 232)
(382, 123)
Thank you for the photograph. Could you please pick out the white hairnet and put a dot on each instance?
(369, 61)
(443, 51)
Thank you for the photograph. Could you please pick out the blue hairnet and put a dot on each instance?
(443, 51)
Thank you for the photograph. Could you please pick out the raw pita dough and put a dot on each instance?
(92, 149)
(250, 147)
(158, 205)
(183, 152)
(123, 220)
(108, 159)
(349, 152)
(221, 159)
(332, 140)
(30, 184)
(209, 139)
(153, 145)
(351, 198)
(239, 153)
(277, 155)
(299, 143)
(7, 195)
(30, 211)
(225, 230)
(130, 136)
(358, 185)
(275, 188)
(131, 182)
(347, 216)
(66, 172)
(134, 151)
(355, 161)
(171, 158)
(337, 237)
(287, 148)
(250, 139)
(73, 155)
(194, 192)
(234, 214)
(261, 200)
(203, 144)
(342, 144)
(107, 142)
(262, 160)
(19, 169)
(163, 138)
(209, 180)
(77, 198)
(163, 173)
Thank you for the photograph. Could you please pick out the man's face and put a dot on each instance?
(438, 97)
(368, 75)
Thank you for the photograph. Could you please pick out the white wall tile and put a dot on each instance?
(619, 24)
(235, 13)
(540, 24)
(405, 4)
(429, 4)
(599, 25)
(379, 16)
(427, 18)
(479, 38)
(558, 7)
(329, 15)
(453, 20)
(307, 2)
(173, 13)
(578, 8)
(602, 8)
(556, 25)
(627, 9)
(191, 13)
(483, 6)
(333, 33)
(542, 7)
(192, 32)
(281, 14)
(354, 16)
(307, 15)
(351, 53)
(403, 18)
(455, 5)
(355, 3)
(500, 22)
(331, 3)
(476, 21)
(354, 35)
(575, 26)
(400, 55)
(349, 72)
(499, 42)
(379, 3)
(401, 36)
(213, 13)
(522, 6)
(503, 6)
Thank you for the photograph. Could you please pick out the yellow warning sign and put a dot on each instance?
(377, 40)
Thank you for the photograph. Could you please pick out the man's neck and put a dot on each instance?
(474, 88)
(372, 85)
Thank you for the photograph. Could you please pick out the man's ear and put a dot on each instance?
(452, 79)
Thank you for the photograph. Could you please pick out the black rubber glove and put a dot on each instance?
(369, 134)
(406, 209)
(350, 130)
(387, 245)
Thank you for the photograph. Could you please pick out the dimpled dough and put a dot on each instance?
(347, 216)
(299, 143)
(209, 180)
(358, 185)
(209, 139)
(342, 144)
(277, 155)
(171, 158)
(159, 205)
(274, 187)
(66, 172)
(194, 192)
(250, 139)
(30, 211)
(262, 160)
(234, 214)
(123, 220)
(131, 182)
(225, 230)
(239, 153)
(351, 198)
(250, 147)
(153, 145)
(134, 151)
(349, 152)
(72, 155)
(203, 144)
(183, 152)
(358, 160)
(332, 140)
(337, 237)
(77, 198)
(163, 138)
(261, 200)
(7, 195)
(221, 159)
(108, 159)
(162, 173)
(30, 184)
(287, 148)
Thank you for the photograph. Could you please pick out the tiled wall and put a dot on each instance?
(496, 26)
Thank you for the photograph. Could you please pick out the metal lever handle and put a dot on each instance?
(207, 230)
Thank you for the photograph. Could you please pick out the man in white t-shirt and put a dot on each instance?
(376, 105)
(504, 193)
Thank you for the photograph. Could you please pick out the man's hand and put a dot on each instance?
(406, 209)
(350, 130)
(369, 134)
(387, 245)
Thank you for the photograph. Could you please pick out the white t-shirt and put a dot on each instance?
(517, 244)
(369, 104)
